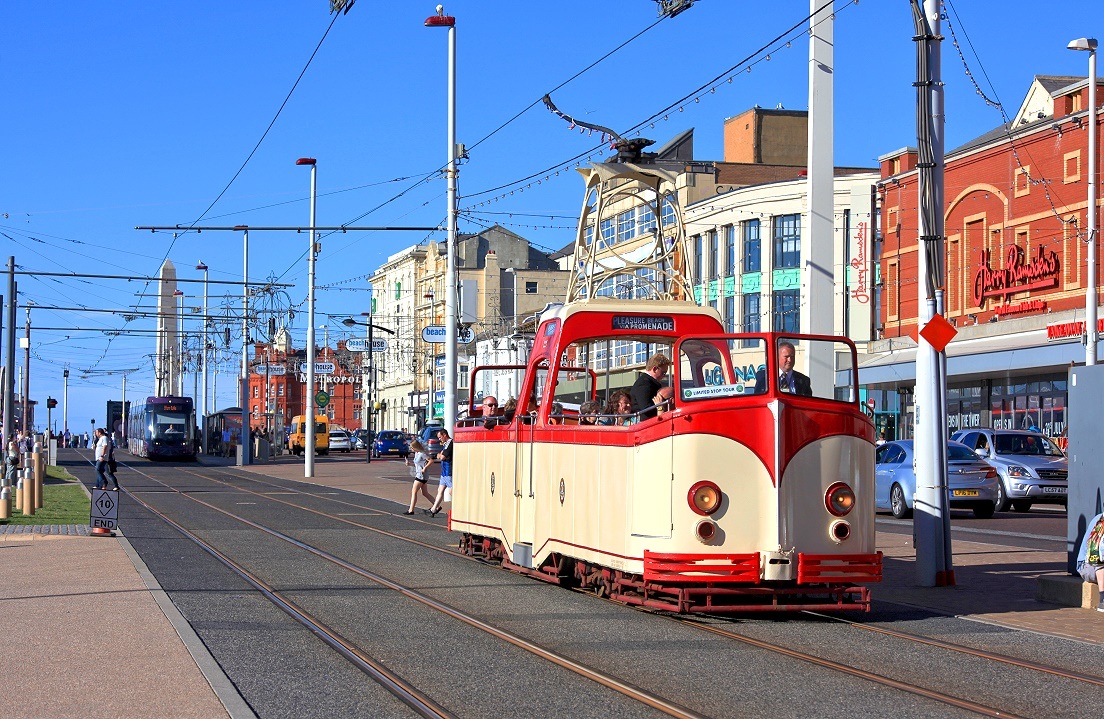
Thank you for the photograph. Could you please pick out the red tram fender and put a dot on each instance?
(822, 568)
(663, 568)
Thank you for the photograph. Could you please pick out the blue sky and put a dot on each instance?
(119, 114)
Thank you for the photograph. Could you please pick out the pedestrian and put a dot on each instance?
(12, 461)
(444, 489)
(1090, 560)
(102, 449)
(418, 467)
(226, 442)
(66, 438)
(112, 465)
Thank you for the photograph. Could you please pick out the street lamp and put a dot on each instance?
(203, 403)
(308, 450)
(442, 20)
(65, 402)
(367, 401)
(1088, 44)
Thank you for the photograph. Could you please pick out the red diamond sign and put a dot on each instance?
(938, 332)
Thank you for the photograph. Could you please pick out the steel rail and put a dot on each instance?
(406, 693)
(854, 671)
(606, 680)
(970, 651)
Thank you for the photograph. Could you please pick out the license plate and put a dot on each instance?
(1054, 490)
(964, 493)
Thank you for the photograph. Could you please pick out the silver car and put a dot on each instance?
(971, 483)
(1032, 468)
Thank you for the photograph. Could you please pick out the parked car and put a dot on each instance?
(971, 482)
(428, 437)
(362, 438)
(390, 442)
(340, 440)
(1031, 466)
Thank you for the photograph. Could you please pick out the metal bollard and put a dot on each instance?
(5, 502)
(28, 485)
(40, 476)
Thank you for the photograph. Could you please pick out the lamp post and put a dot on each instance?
(203, 340)
(65, 402)
(350, 322)
(1089, 44)
(442, 20)
(308, 450)
(243, 442)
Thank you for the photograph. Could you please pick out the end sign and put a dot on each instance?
(105, 510)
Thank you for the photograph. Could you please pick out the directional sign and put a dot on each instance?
(436, 334)
(271, 369)
(360, 344)
(319, 367)
(105, 509)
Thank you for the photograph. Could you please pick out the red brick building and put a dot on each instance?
(1016, 213)
(286, 384)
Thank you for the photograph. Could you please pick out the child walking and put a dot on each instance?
(419, 465)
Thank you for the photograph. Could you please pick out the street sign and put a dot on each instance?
(360, 344)
(271, 369)
(319, 367)
(870, 403)
(436, 334)
(322, 399)
(105, 509)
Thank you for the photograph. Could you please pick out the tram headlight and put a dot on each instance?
(839, 499)
(704, 498)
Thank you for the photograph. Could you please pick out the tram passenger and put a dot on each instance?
(1090, 562)
(490, 413)
(618, 411)
(589, 411)
(664, 400)
(556, 416)
(789, 379)
(647, 384)
(509, 410)
(418, 466)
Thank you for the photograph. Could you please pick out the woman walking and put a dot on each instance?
(418, 466)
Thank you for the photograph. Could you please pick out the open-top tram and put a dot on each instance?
(744, 495)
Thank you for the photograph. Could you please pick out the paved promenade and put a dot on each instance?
(78, 615)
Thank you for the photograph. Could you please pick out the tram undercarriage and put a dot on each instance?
(716, 584)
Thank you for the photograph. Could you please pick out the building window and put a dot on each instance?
(256, 391)
(530, 288)
(607, 233)
(730, 313)
(398, 290)
(330, 412)
(786, 310)
(730, 250)
(647, 219)
(698, 276)
(714, 255)
(626, 225)
(751, 317)
(668, 210)
(787, 241)
(356, 393)
(279, 390)
(356, 414)
(752, 249)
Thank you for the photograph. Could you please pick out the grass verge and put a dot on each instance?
(63, 502)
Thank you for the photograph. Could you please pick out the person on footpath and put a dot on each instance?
(103, 451)
(445, 455)
(12, 461)
(418, 468)
(1090, 563)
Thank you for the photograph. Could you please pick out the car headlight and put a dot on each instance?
(1015, 470)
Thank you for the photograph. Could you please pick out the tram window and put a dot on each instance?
(718, 368)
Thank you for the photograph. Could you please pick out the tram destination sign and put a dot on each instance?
(644, 322)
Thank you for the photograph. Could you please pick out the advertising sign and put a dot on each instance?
(436, 334)
(271, 369)
(319, 367)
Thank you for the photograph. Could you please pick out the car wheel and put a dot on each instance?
(985, 510)
(897, 503)
(1002, 497)
(1021, 505)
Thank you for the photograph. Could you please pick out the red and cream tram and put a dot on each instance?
(743, 496)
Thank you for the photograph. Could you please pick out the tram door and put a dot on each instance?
(524, 487)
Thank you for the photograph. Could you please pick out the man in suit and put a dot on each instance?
(789, 380)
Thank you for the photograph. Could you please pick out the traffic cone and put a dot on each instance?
(101, 532)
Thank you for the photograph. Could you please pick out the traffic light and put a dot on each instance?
(51, 402)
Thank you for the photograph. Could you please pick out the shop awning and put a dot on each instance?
(1013, 354)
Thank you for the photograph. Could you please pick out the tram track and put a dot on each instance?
(944, 698)
(404, 691)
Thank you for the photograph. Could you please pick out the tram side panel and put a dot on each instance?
(484, 502)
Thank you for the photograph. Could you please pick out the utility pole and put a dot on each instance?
(27, 376)
(9, 375)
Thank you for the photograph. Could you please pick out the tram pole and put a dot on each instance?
(931, 523)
